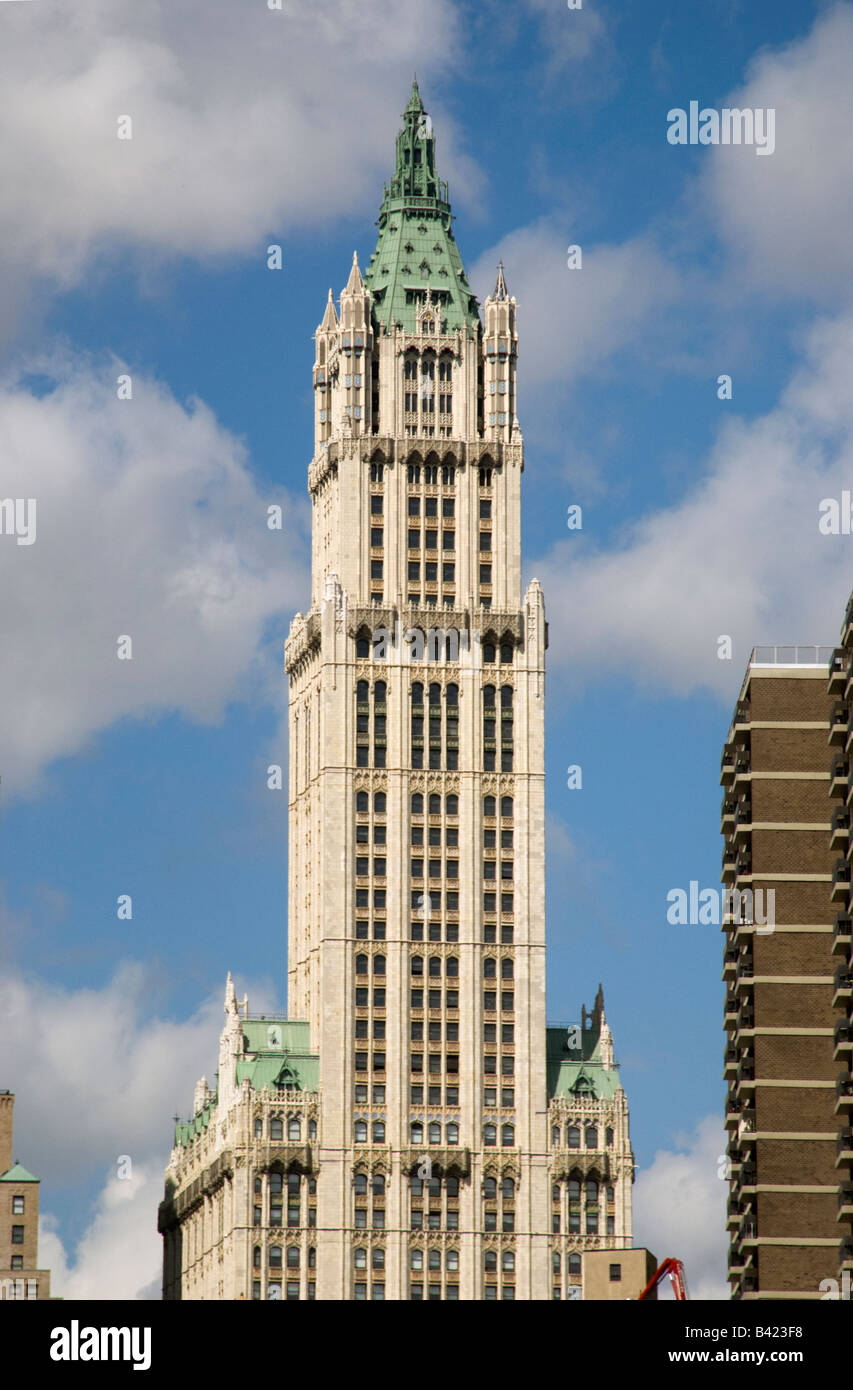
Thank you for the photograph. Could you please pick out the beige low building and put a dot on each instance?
(614, 1275)
(20, 1276)
(413, 1130)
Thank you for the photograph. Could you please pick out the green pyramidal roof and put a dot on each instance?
(416, 254)
(18, 1173)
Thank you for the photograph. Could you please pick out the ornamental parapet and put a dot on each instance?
(173, 1210)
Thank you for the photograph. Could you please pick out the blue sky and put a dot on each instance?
(149, 257)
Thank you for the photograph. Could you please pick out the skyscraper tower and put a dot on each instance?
(434, 1167)
(417, 922)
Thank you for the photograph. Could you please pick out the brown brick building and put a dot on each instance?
(20, 1276)
(782, 814)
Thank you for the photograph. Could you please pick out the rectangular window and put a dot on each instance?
(17, 1235)
(17, 1206)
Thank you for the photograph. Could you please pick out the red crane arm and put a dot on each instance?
(675, 1270)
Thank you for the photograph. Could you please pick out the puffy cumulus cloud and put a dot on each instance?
(573, 321)
(121, 1253)
(786, 217)
(680, 1208)
(740, 556)
(246, 122)
(108, 1059)
(98, 1076)
(148, 525)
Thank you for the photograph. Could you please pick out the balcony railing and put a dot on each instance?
(841, 936)
(792, 656)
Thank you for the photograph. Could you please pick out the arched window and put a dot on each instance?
(417, 965)
(608, 1136)
(379, 691)
(488, 805)
(555, 1262)
(294, 1129)
(362, 802)
(490, 968)
(256, 1257)
(434, 966)
(573, 1135)
(292, 1256)
(417, 804)
(379, 1131)
(416, 1259)
(452, 1133)
(312, 1129)
(574, 1190)
(489, 1136)
(452, 694)
(508, 1189)
(417, 1132)
(276, 1129)
(590, 1137)
(507, 1135)
(435, 1133)
(362, 692)
(508, 1260)
(361, 965)
(574, 1264)
(378, 1257)
(379, 803)
(506, 696)
(451, 967)
(506, 807)
(490, 1260)
(435, 805)
(362, 648)
(360, 1258)
(488, 652)
(275, 1256)
(555, 1135)
(506, 653)
(506, 968)
(417, 693)
(592, 1191)
(379, 965)
(359, 1184)
(451, 805)
(489, 696)
(452, 1259)
(361, 1131)
(435, 694)
(490, 1189)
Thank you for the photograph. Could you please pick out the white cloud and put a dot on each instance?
(786, 217)
(98, 1076)
(247, 123)
(148, 524)
(740, 556)
(120, 1255)
(680, 1208)
(571, 321)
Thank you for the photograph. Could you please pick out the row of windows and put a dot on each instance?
(275, 1129)
(589, 1188)
(274, 1257)
(573, 1136)
(433, 805)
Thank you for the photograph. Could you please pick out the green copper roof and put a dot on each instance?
(18, 1173)
(578, 1073)
(416, 250)
(277, 1055)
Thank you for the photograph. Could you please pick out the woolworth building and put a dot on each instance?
(412, 1130)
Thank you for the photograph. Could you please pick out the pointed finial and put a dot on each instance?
(500, 284)
(355, 281)
(230, 996)
(415, 103)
